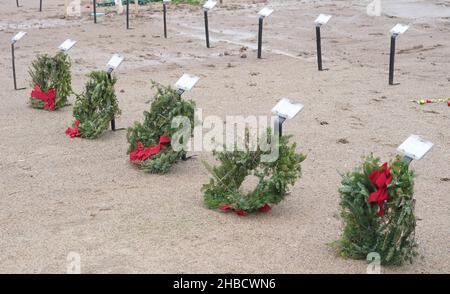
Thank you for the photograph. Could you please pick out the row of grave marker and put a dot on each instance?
(413, 148)
(322, 19)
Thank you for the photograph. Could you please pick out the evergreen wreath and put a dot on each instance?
(377, 208)
(51, 81)
(149, 141)
(95, 108)
(223, 191)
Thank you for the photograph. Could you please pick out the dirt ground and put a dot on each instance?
(60, 195)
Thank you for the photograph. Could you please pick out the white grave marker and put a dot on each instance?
(415, 147)
(399, 29)
(115, 61)
(322, 19)
(18, 36)
(286, 109)
(67, 45)
(209, 4)
(186, 82)
(265, 12)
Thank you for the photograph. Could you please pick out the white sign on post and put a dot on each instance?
(186, 82)
(166, 1)
(322, 19)
(209, 4)
(67, 45)
(399, 29)
(115, 61)
(265, 12)
(18, 36)
(415, 147)
(286, 109)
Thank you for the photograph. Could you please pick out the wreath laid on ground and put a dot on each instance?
(223, 191)
(94, 108)
(51, 81)
(377, 208)
(150, 146)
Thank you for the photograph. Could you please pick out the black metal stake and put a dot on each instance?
(180, 91)
(165, 23)
(319, 48)
(95, 11)
(40, 5)
(205, 12)
(260, 30)
(113, 121)
(279, 125)
(13, 66)
(128, 14)
(17, 3)
(391, 60)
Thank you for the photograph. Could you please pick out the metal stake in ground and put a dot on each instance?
(392, 60)
(207, 6)
(128, 14)
(319, 48)
(285, 110)
(320, 20)
(164, 17)
(40, 5)
(395, 31)
(266, 11)
(15, 39)
(95, 11)
(17, 3)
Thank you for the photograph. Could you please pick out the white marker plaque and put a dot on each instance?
(322, 19)
(67, 45)
(285, 108)
(166, 1)
(18, 36)
(399, 29)
(265, 12)
(415, 147)
(209, 4)
(115, 61)
(186, 82)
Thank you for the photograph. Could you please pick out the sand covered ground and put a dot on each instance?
(59, 195)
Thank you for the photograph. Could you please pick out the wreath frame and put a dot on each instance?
(222, 191)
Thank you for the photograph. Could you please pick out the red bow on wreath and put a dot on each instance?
(226, 207)
(48, 97)
(140, 153)
(74, 132)
(380, 178)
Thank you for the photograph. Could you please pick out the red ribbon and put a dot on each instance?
(381, 179)
(226, 207)
(140, 153)
(74, 132)
(48, 97)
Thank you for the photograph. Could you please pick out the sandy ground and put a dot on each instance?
(60, 195)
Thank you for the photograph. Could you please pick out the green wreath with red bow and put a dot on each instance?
(274, 177)
(377, 209)
(51, 81)
(150, 141)
(95, 108)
